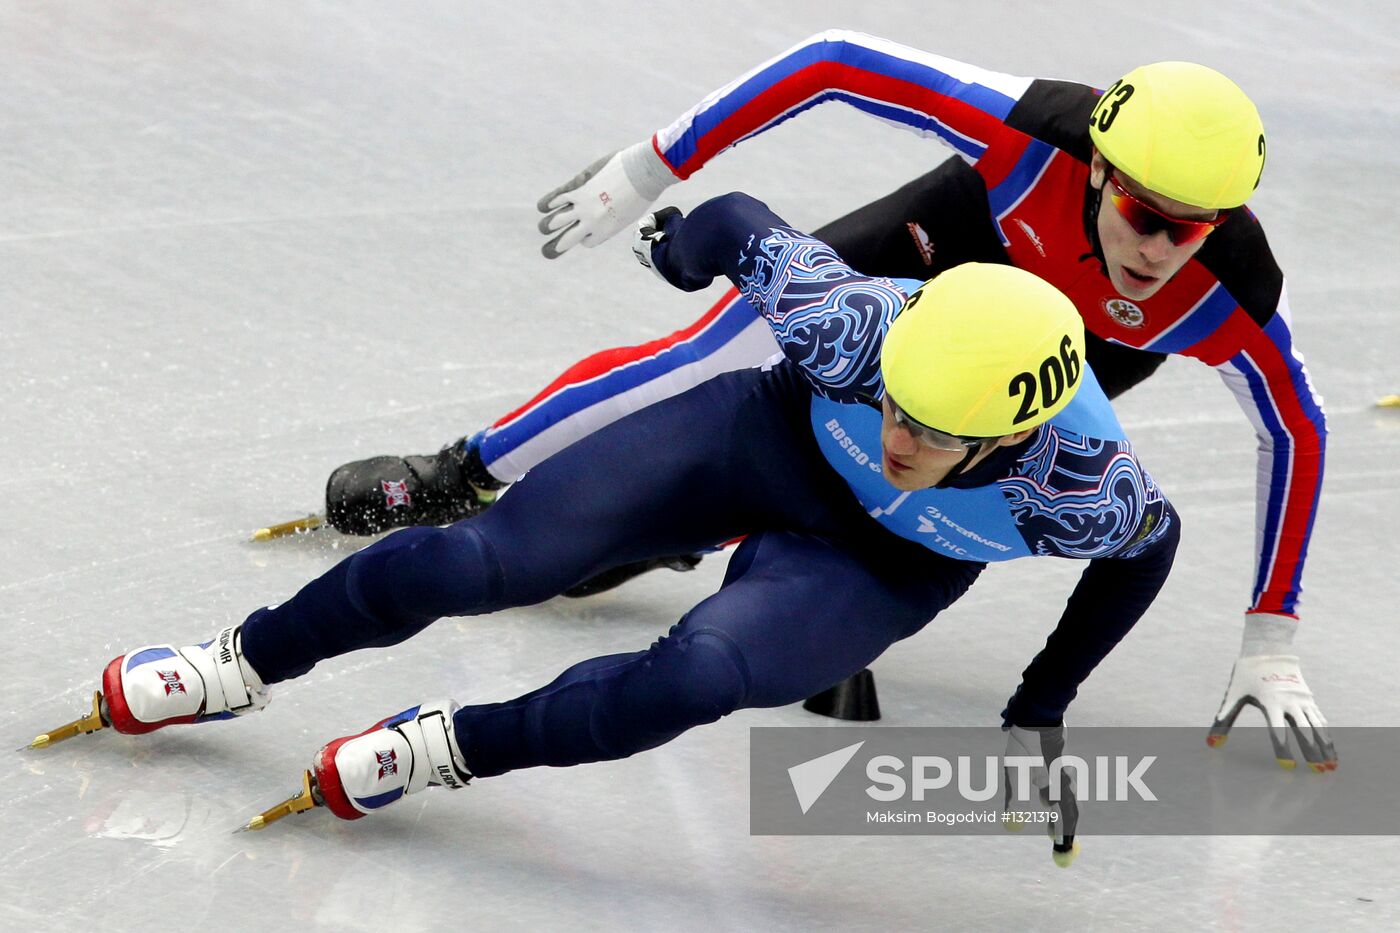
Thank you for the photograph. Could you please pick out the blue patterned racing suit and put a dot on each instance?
(836, 565)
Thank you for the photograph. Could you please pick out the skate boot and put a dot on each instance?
(403, 754)
(370, 496)
(148, 688)
(616, 576)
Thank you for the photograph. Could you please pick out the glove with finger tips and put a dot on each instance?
(603, 198)
(1030, 760)
(653, 230)
(1267, 675)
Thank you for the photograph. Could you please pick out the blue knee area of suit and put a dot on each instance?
(380, 596)
(420, 574)
(609, 707)
(683, 681)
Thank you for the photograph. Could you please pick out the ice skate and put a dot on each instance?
(371, 496)
(616, 576)
(362, 773)
(159, 685)
(295, 526)
(367, 497)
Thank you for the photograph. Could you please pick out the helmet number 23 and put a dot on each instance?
(1056, 374)
(1113, 98)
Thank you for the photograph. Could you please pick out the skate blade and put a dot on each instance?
(305, 799)
(89, 723)
(294, 527)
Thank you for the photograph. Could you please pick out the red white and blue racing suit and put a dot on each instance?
(1018, 193)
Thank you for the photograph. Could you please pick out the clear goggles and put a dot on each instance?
(932, 437)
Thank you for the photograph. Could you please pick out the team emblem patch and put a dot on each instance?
(388, 763)
(172, 682)
(1030, 233)
(395, 493)
(1124, 312)
(921, 242)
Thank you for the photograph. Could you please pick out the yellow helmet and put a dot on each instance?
(984, 350)
(1184, 131)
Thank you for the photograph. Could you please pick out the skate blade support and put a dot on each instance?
(82, 726)
(296, 526)
(305, 799)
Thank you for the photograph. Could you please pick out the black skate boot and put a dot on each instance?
(615, 577)
(370, 496)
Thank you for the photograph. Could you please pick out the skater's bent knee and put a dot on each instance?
(708, 674)
(677, 685)
(439, 571)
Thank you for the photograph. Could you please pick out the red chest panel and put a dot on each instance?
(1044, 233)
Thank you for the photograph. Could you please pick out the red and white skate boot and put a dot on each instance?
(160, 685)
(401, 755)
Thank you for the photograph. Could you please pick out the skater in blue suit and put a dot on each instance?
(908, 433)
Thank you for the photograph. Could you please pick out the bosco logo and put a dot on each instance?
(839, 435)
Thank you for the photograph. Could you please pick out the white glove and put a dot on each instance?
(1028, 787)
(1267, 676)
(605, 197)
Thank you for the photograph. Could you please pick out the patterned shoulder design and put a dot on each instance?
(1083, 497)
(828, 318)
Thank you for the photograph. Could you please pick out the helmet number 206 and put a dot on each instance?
(1057, 373)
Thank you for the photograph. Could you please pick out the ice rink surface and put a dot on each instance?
(241, 243)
